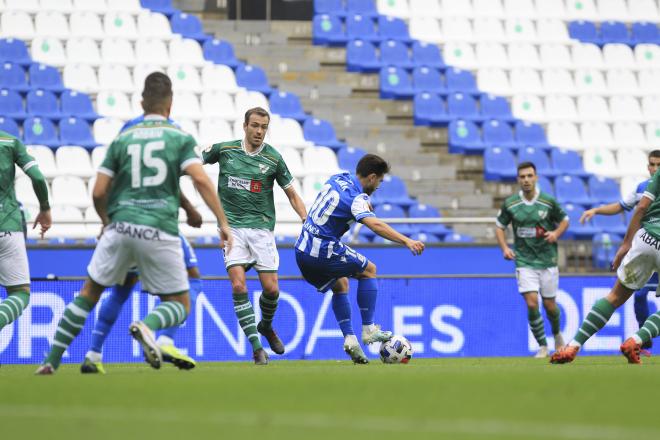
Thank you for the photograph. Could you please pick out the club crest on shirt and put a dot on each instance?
(543, 214)
(263, 168)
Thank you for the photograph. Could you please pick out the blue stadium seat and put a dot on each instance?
(15, 51)
(40, 131)
(604, 247)
(426, 211)
(46, 78)
(77, 104)
(360, 27)
(189, 26)
(495, 107)
(395, 83)
(499, 164)
(349, 157)
(287, 105)
(584, 31)
(529, 133)
(209, 240)
(539, 158)
(335, 7)
(43, 104)
(361, 57)
(427, 54)
(614, 32)
(604, 190)
(395, 53)
(645, 33)
(571, 189)
(428, 79)
(613, 224)
(575, 229)
(76, 131)
(392, 28)
(162, 6)
(12, 76)
(284, 239)
(498, 133)
(328, 30)
(389, 210)
(220, 52)
(462, 105)
(459, 80)
(11, 105)
(10, 126)
(429, 109)
(393, 190)
(253, 78)
(464, 137)
(568, 162)
(458, 238)
(321, 133)
(426, 237)
(545, 185)
(362, 7)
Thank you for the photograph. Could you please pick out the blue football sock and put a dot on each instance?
(195, 288)
(366, 299)
(108, 315)
(342, 309)
(642, 306)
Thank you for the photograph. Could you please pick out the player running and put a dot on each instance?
(326, 262)
(249, 169)
(537, 221)
(628, 204)
(14, 269)
(136, 195)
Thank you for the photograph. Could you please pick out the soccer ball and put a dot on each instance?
(397, 350)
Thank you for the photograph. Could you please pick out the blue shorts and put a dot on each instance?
(189, 256)
(322, 273)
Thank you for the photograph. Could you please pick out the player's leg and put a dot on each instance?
(549, 288)
(366, 298)
(14, 275)
(341, 307)
(529, 284)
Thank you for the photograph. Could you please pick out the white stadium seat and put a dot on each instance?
(453, 8)
(219, 77)
(51, 24)
(558, 81)
(68, 222)
(649, 82)
(132, 6)
(152, 51)
(564, 135)
(188, 189)
(653, 135)
(643, 10)
(581, 10)
(491, 55)
(526, 81)
(551, 9)
(457, 29)
(626, 108)
(98, 6)
(618, 56)
(140, 73)
(86, 24)
(593, 108)
(647, 56)
(601, 162)
(65, 6)
(286, 132)
(495, 81)
(186, 105)
(46, 160)
(212, 131)
(74, 161)
(80, 77)
(25, 192)
(528, 107)
(187, 51)
(587, 56)
(523, 55)
(115, 77)
(519, 8)
(48, 50)
(489, 29)
(488, 8)
(218, 104)
(425, 29)
(185, 78)
(189, 126)
(596, 134)
(555, 56)
(293, 161)
(650, 108)
(153, 25)
(629, 135)
(398, 8)
(70, 191)
(98, 154)
(117, 51)
(550, 30)
(621, 82)
(22, 5)
(106, 129)
(631, 161)
(247, 99)
(590, 82)
(114, 105)
(612, 10)
(460, 55)
(560, 108)
(520, 29)
(318, 160)
(16, 24)
(311, 186)
(425, 8)
(83, 50)
(120, 25)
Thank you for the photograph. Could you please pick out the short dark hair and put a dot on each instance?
(157, 92)
(523, 165)
(372, 164)
(256, 111)
(654, 154)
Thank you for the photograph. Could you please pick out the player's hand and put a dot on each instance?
(551, 236)
(44, 220)
(623, 250)
(587, 215)
(509, 254)
(194, 218)
(226, 239)
(416, 247)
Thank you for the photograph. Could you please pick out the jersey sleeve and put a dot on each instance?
(629, 201)
(653, 188)
(361, 207)
(21, 157)
(211, 154)
(189, 153)
(109, 166)
(503, 217)
(557, 213)
(282, 175)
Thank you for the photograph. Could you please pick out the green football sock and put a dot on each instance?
(600, 313)
(553, 316)
(166, 314)
(245, 314)
(650, 329)
(268, 306)
(536, 325)
(72, 322)
(12, 307)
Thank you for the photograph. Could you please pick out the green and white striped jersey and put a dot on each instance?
(12, 151)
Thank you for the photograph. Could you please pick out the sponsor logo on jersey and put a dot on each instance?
(141, 232)
(244, 184)
(650, 240)
(530, 232)
(147, 133)
(263, 168)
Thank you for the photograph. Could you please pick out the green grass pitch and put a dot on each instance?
(596, 398)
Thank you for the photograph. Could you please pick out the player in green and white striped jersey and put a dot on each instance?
(14, 269)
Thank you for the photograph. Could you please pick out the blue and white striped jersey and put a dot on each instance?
(340, 203)
(631, 200)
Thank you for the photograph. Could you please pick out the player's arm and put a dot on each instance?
(386, 231)
(194, 218)
(24, 160)
(633, 227)
(553, 236)
(609, 209)
(100, 195)
(296, 202)
(501, 222)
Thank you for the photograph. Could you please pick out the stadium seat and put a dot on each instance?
(185, 78)
(643, 10)
(464, 137)
(286, 132)
(428, 80)
(214, 130)
(359, 27)
(16, 24)
(457, 29)
(647, 56)
(15, 51)
(45, 77)
(488, 29)
(43, 104)
(425, 29)
(498, 133)
(348, 158)
(488, 8)
(544, 184)
(523, 55)
(322, 133)
(246, 99)
(105, 129)
(612, 10)
(499, 164)
(389, 210)
(557, 82)
(11, 105)
(395, 83)
(78, 105)
(311, 185)
(425, 54)
(564, 135)
(287, 105)
(56, 5)
(319, 160)
(395, 53)
(560, 108)
(97, 6)
(567, 162)
(570, 189)
(629, 135)
(613, 224)
(630, 161)
(117, 78)
(81, 77)
(425, 211)
(596, 134)
(528, 107)
(455, 237)
(615, 32)
(83, 50)
(86, 24)
(491, 54)
(218, 77)
(495, 107)
(152, 51)
(187, 51)
(335, 7)
(526, 80)
(603, 190)
(429, 109)
(12, 76)
(98, 155)
(328, 30)
(117, 51)
(520, 30)
(494, 81)
(392, 28)
(555, 55)
(120, 24)
(593, 108)
(645, 33)
(185, 105)
(581, 10)
(74, 161)
(601, 162)
(361, 57)
(162, 6)
(426, 238)
(618, 56)
(584, 31)
(30, 6)
(650, 109)
(622, 82)
(218, 104)
(153, 25)
(40, 131)
(605, 246)
(115, 105)
(46, 160)
(220, 52)
(393, 190)
(76, 131)
(460, 55)
(188, 26)
(575, 229)
(48, 50)
(10, 126)
(25, 191)
(362, 7)
(531, 134)
(519, 8)
(459, 80)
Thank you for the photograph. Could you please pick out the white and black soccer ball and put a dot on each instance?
(397, 350)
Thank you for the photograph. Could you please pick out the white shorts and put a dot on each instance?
(253, 247)
(543, 281)
(157, 254)
(14, 269)
(640, 262)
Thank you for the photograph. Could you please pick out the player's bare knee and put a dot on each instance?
(619, 294)
(92, 291)
(532, 300)
(193, 272)
(369, 272)
(340, 286)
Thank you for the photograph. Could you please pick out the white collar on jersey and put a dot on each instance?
(530, 202)
(253, 153)
(154, 117)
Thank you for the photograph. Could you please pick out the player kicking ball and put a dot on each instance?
(326, 263)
